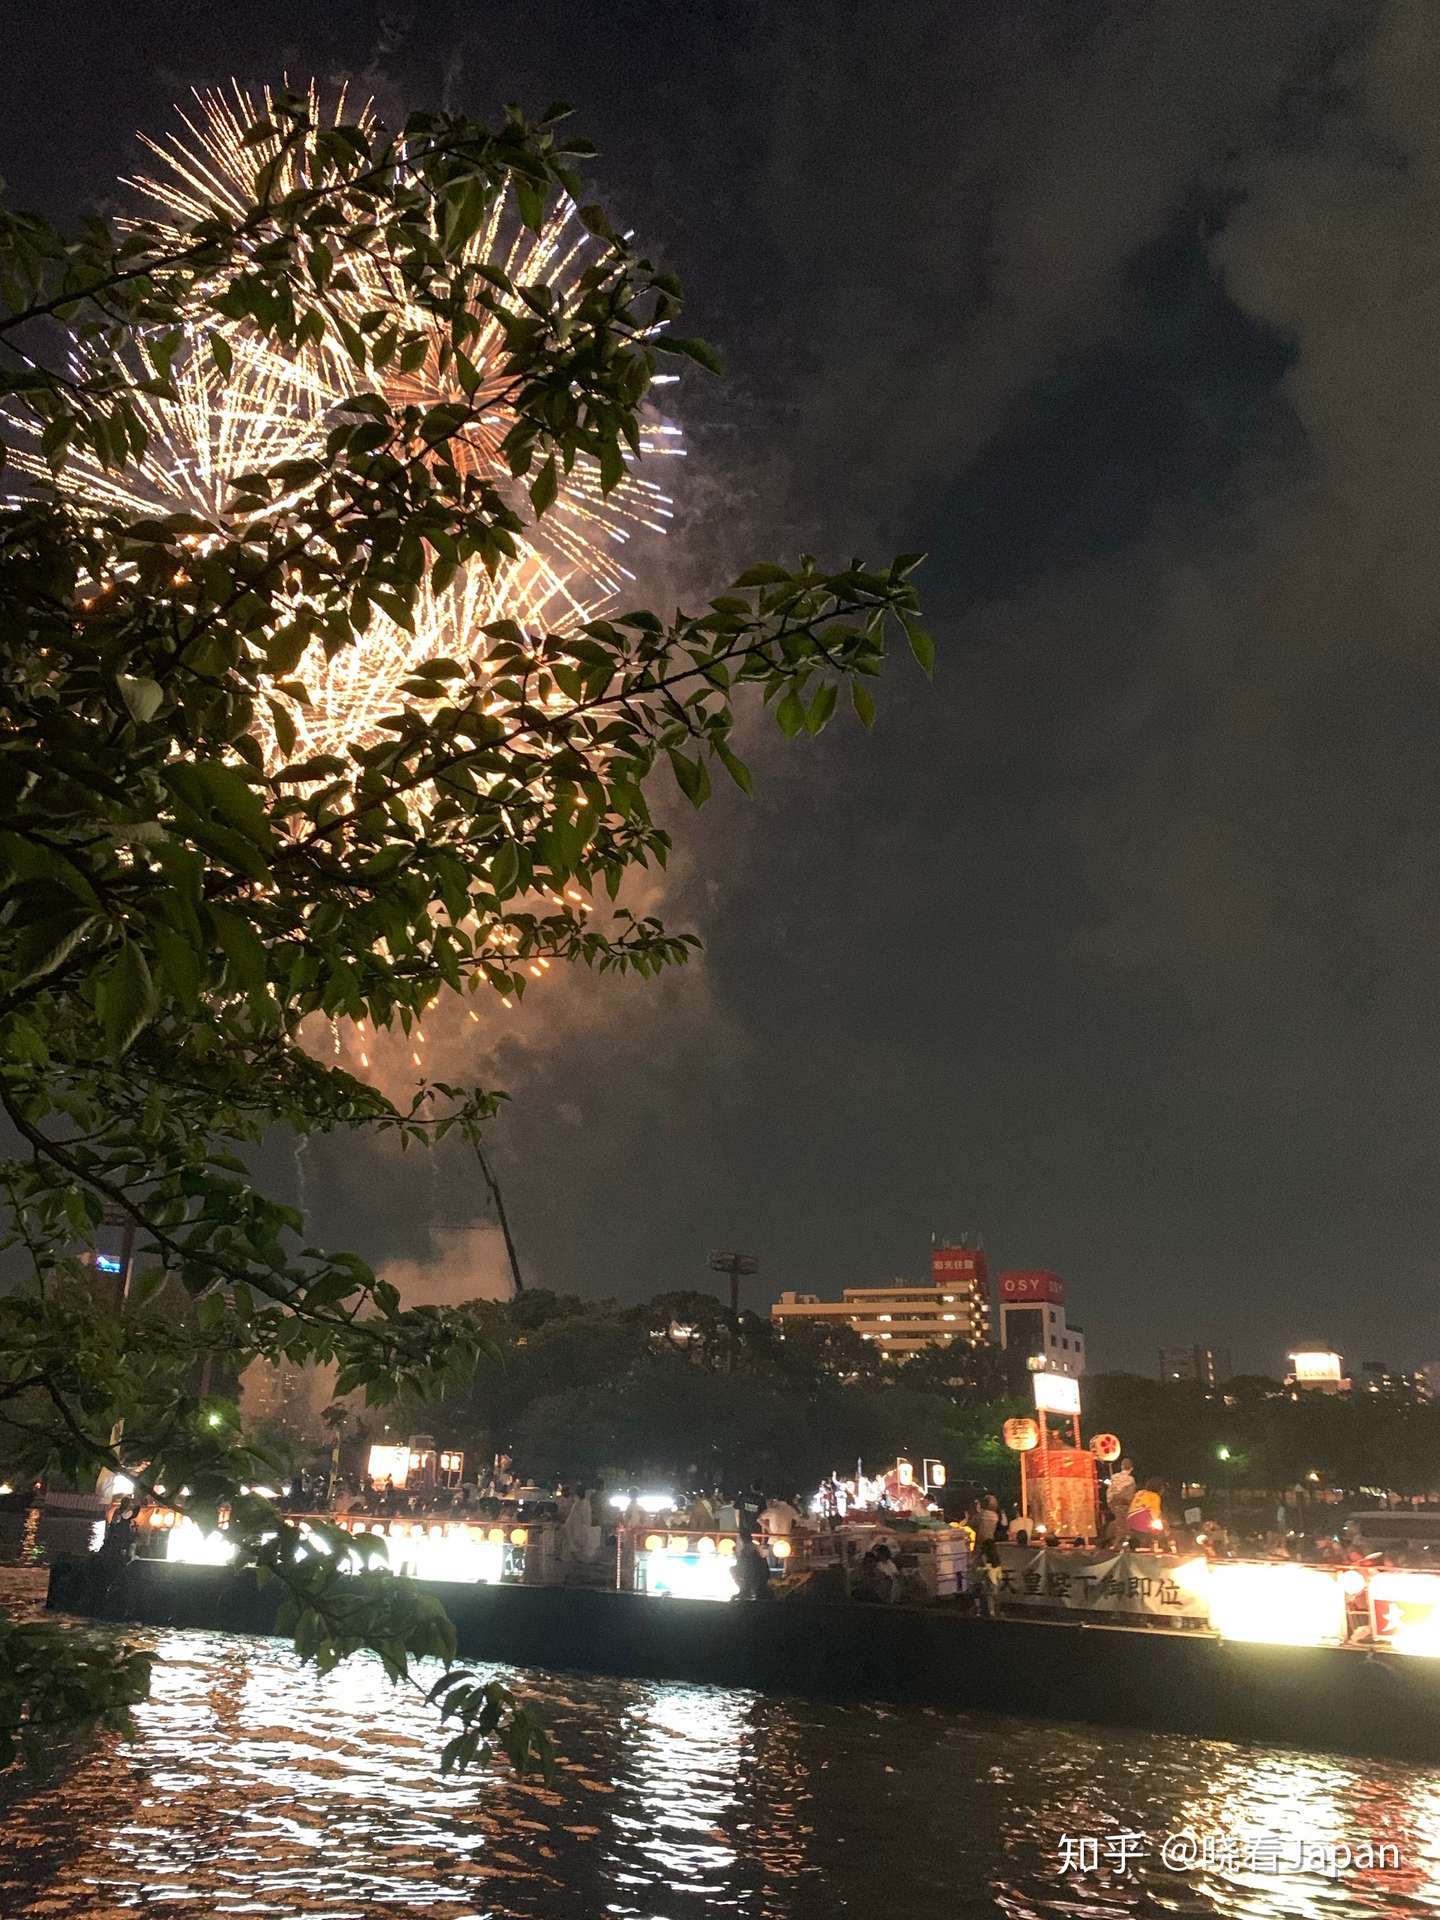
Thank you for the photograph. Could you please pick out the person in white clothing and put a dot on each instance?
(779, 1517)
(580, 1537)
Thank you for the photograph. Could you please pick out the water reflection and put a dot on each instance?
(255, 1788)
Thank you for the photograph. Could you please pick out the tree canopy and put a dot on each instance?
(182, 887)
(677, 1390)
(1274, 1440)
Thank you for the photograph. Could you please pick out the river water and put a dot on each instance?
(254, 1788)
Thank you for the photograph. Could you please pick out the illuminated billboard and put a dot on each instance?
(389, 1463)
(1056, 1393)
(1318, 1365)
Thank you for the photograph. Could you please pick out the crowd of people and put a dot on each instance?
(585, 1517)
(1132, 1514)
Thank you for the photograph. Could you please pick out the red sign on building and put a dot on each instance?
(1031, 1286)
(959, 1267)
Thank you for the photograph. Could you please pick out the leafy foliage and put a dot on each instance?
(53, 1679)
(176, 904)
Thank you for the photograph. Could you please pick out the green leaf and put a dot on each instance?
(790, 714)
(597, 220)
(531, 203)
(144, 1288)
(700, 351)
(736, 768)
(690, 776)
(222, 354)
(821, 707)
(612, 466)
(284, 724)
(210, 785)
(544, 486)
(764, 574)
(921, 643)
(265, 178)
(863, 701)
(125, 1000)
(49, 943)
(242, 947)
(141, 695)
(179, 966)
(504, 870)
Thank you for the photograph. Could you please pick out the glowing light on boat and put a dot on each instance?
(1281, 1605)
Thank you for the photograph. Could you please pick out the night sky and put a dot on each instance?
(1118, 943)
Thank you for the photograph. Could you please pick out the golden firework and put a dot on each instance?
(274, 404)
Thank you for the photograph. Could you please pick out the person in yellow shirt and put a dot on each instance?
(1146, 1515)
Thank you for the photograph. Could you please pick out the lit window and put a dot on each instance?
(947, 1316)
(883, 1316)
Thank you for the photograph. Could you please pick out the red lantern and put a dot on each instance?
(1105, 1446)
(1021, 1435)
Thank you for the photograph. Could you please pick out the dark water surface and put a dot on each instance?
(254, 1788)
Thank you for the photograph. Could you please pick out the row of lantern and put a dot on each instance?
(707, 1544)
(445, 1530)
(1023, 1434)
(164, 1518)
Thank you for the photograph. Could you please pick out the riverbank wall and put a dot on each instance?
(1323, 1698)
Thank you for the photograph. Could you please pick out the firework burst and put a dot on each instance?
(273, 405)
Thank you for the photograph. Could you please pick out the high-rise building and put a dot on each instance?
(1376, 1378)
(1032, 1321)
(907, 1315)
(283, 1392)
(1207, 1367)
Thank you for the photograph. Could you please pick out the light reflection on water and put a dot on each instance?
(254, 1788)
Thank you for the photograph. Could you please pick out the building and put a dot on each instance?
(1207, 1367)
(1032, 1322)
(282, 1392)
(1375, 1377)
(907, 1315)
(1316, 1370)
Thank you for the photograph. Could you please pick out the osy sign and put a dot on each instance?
(1030, 1287)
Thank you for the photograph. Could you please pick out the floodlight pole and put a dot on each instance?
(734, 1264)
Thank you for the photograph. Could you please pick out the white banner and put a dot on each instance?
(1160, 1585)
